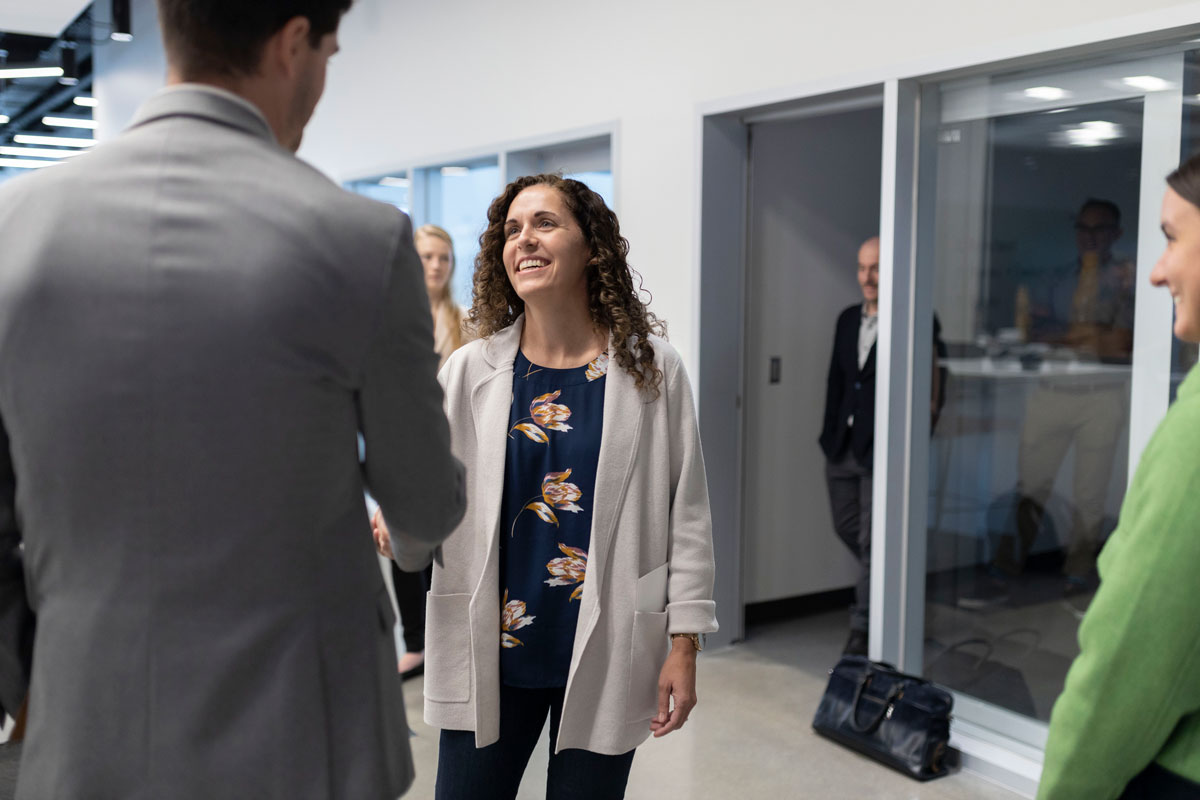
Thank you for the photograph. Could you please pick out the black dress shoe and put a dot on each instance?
(856, 644)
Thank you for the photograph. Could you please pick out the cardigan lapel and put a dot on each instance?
(491, 403)
(624, 408)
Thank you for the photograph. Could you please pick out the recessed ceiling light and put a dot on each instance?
(86, 102)
(1147, 83)
(69, 122)
(23, 163)
(1046, 93)
(8, 73)
(453, 172)
(53, 141)
(396, 183)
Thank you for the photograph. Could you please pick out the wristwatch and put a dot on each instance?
(695, 637)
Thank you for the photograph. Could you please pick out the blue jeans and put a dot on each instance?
(494, 772)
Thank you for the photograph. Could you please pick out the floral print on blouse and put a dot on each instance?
(554, 433)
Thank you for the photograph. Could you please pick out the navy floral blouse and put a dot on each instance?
(554, 432)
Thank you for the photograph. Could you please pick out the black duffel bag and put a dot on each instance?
(900, 720)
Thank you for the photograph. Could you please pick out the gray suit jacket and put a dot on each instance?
(194, 325)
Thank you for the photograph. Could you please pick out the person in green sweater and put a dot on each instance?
(1127, 724)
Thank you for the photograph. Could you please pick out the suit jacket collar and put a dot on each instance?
(206, 102)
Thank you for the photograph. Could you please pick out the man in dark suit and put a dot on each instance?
(195, 325)
(848, 435)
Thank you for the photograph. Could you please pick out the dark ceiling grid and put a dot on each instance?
(27, 100)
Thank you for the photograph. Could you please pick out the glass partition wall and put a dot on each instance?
(1037, 223)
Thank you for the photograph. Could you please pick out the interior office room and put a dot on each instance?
(749, 150)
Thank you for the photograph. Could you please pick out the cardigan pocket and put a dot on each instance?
(448, 660)
(649, 652)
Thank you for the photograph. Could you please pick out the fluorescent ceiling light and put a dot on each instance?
(397, 183)
(3, 119)
(86, 102)
(69, 122)
(53, 141)
(1046, 93)
(453, 172)
(1090, 134)
(1147, 83)
(24, 163)
(9, 73)
(38, 152)
(121, 37)
(1060, 110)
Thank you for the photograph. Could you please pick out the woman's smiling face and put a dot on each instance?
(545, 253)
(1178, 270)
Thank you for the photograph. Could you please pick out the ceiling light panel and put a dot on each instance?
(52, 141)
(69, 122)
(24, 163)
(12, 73)
(37, 152)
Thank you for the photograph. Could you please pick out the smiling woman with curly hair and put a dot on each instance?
(578, 583)
(612, 299)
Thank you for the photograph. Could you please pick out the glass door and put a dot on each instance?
(1038, 224)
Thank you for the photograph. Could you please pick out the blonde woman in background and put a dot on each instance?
(436, 249)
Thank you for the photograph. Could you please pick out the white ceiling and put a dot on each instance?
(41, 17)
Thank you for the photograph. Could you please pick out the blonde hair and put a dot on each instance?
(444, 306)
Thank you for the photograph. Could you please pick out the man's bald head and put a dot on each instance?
(868, 273)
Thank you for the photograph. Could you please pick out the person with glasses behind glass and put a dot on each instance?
(1084, 313)
(1128, 721)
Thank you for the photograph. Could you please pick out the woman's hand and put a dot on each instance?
(677, 680)
(383, 541)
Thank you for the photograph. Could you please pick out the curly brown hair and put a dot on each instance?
(615, 304)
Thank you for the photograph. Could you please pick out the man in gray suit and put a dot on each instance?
(194, 325)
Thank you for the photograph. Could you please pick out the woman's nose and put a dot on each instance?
(1158, 275)
(527, 238)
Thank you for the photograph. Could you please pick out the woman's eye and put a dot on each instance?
(545, 223)
(511, 232)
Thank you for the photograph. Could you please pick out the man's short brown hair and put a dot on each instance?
(211, 38)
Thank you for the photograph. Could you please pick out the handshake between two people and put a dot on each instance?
(411, 555)
(379, 531)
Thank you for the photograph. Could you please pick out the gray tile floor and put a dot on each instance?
(750, 736)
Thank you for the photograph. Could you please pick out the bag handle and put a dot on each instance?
(893, 693)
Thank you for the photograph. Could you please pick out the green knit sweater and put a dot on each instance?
(1133, 694)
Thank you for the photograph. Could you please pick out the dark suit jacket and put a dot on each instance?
(850, 392)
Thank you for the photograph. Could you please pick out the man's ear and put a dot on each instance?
(282, 53)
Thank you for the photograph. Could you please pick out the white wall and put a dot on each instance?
(126, 73)
(417, 80)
